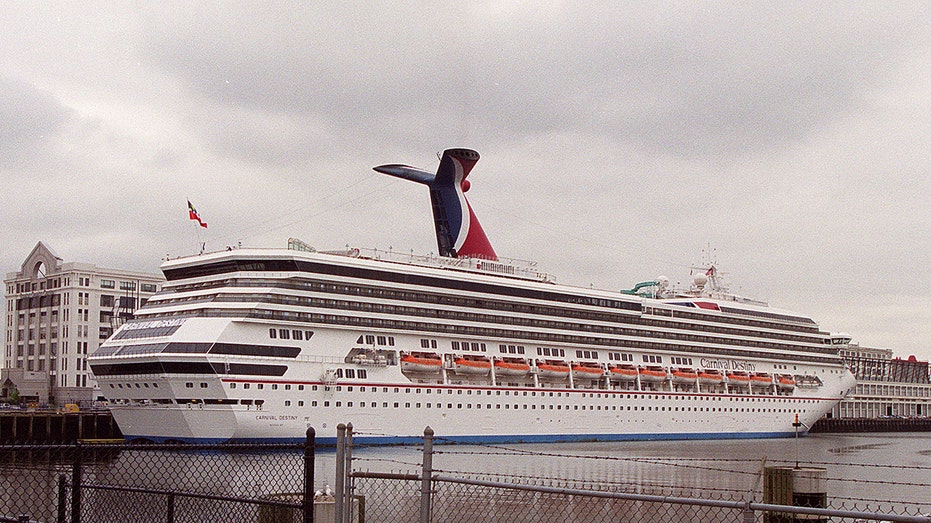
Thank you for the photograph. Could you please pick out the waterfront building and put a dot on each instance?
(886, 386)
(57, 313)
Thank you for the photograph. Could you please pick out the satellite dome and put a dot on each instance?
(700, 280)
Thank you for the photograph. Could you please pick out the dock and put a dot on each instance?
(850, 425)
(42, 427)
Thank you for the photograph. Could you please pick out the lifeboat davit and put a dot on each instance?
(623, 373)
(552, 369)
(472, 365)
(710, 378)
(422, 362)
(511, 367)
(587, 372)
(785, 382)
(652, 375)
(739, 379)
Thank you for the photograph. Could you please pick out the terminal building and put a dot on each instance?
(886, 386)
(56, 314)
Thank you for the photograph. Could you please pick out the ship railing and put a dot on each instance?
(525, 269)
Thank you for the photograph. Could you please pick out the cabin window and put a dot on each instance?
(272, 333)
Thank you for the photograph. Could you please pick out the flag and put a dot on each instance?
(192, 213)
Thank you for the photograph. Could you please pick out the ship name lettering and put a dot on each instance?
(709, 363)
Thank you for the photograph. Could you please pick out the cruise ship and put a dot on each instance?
(260, 344)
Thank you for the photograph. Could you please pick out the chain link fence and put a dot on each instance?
(273, 483)
(154, 483)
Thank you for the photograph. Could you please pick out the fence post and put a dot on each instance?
(340, 471)
(426, 478)
(171, 508)
(62, 497)
(76, 484)
(308, 502)
(347, 497)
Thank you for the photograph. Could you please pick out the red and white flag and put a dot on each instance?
(192, 213)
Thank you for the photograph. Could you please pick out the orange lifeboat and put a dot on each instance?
(511, 367)
(761, 379)
(472, 365)
(552, 369)
(424, 362)
(738, 379)
(653, 374)
(684, 376)
(785, 382)
(623, 373)
(709, 377)
(588, 371)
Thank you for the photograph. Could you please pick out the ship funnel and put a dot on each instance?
(458, 232)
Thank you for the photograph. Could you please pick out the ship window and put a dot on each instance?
(284, 334)
(308, 334)
(370, 339)
(287, 387)
(382, 340)
(350, 373)
(297, 335)
(287, 403)
(274, 386)
(202, 385)
(245, 385)
(189, 385)
(454, 345)
(424, 343)
(359, 341)
(272, 333)
(260, 386)
(232, 385)
(300, 403)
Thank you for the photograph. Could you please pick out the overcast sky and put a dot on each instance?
(618, 140)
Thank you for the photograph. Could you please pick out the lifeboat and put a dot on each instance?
(511, 367)
(785, 382)
(472, 365)
(422, 362)
(652, 374)
(738, 379)
(552, 369)
(761, 379)
(623, 373)
(710, 378)
(590, 371)
(684, 376)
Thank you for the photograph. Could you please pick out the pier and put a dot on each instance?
(42, 427)
(847, 425)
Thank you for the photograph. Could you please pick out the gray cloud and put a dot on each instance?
(617, 140)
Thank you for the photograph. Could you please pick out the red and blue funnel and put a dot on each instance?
(458, 233)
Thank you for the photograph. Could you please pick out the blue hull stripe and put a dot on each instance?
(512, 439)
